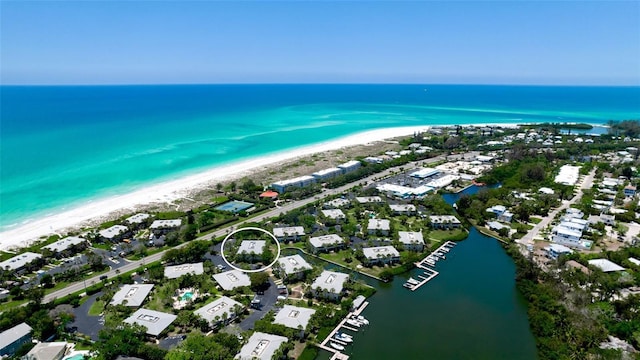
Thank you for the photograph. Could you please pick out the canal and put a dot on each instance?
(472, 310)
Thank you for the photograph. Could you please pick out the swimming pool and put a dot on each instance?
(186, 296)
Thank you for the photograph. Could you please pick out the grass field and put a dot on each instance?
(97, 308)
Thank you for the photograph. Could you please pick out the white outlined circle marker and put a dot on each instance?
(250, 228)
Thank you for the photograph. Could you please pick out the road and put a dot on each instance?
(587, 183)
(80, 285)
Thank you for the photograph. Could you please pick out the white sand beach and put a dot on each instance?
(169, 191)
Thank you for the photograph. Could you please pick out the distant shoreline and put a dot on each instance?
(97, 211)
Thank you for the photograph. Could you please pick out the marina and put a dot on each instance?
(336, 341)
(429, 273)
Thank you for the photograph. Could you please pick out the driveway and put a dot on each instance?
(269, 299)
(85, 323)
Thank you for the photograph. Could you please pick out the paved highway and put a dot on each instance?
(80, 285)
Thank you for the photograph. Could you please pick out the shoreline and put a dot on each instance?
(100, 210)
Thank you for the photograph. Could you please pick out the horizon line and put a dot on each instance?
(313, 83)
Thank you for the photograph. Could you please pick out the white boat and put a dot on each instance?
(353, 322)
(363, 320)
(413, 281)
(336, 346)
(345, 335)
(341, 337)
(407, 285)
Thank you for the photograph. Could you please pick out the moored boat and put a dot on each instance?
(336, 346)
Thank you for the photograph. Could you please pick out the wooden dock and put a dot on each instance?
(337, 355)
(430, 260)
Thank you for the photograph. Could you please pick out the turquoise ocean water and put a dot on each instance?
(62, 146)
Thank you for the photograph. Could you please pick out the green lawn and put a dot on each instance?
(535, 220)
(445, 234)
(11, 304)
(97, 308)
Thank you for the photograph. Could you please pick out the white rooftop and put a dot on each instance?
(443, 219)
(368, 199)
(288, 231)
(218, 308)
(425, 172)
(294, 316)
(403, 207)
(411, 237)
(260, 346)
(329, 171)
(47, 350)
(320, 241)
(349, 164)
(232, 279)
(19, 261)
(13, 334)
(558, 248)
(137, 218)
(111, 232)
(331, 281)
(546, 190)
(333, 213)
(252, 247)
(175, 271)
(154, 321)
(568, 175)
(380, 251)
(404, 191)
(293, 264)
(634, 261)
(443, 181)
(605, 265)
(64, 244)
(379, 224)
(134, 295)
(166, 224)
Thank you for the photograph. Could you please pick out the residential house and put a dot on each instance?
(329, 285)
(379, 227)
(220, 311)
(501, 212)
(261, 346)
(605, 265)
(131, 295)
(252, 249)
(403, 209)
(114, 233)
(629, 191)
(176, 271)
(289, 184)
(294, 317)
(155, 322)
(293, 267)
(290, 233)
(326, 243)
(327, 174)
(162, 227)
(369, 199)
(411, 240)
(350, 166)
(18, 263)
(48, 351)
(555, 250)
(232, 279)
(334, 214)
(67, 246)
(381, 255)
(12, 339)
(137, 221)
(444, 222)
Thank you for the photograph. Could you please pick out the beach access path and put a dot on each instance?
(133, 265)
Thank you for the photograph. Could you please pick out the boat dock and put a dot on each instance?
(429, 273)
(337, 355)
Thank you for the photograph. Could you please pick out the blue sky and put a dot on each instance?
(500, 42)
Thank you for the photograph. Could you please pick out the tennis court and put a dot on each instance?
(234, 206)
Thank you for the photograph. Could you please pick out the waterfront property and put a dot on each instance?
(381, 255)
(425, 173)
(411, 240)
(137, 220)
(176, 271)
(261, 346)
(290, 233)
(327, 174)
(326, 243)
(12, 339)
(220, 311)
(131, 295)
(160, 227)
(501, 213)
(67, 246)
(299, 182)
(232, 279)
(19, 262)
(293, 267)
(114, 233)
(294, 317)
(349, 166)
(555, 250)
(329, 285)
(444, 222)
(379, 227)
(155, 322)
